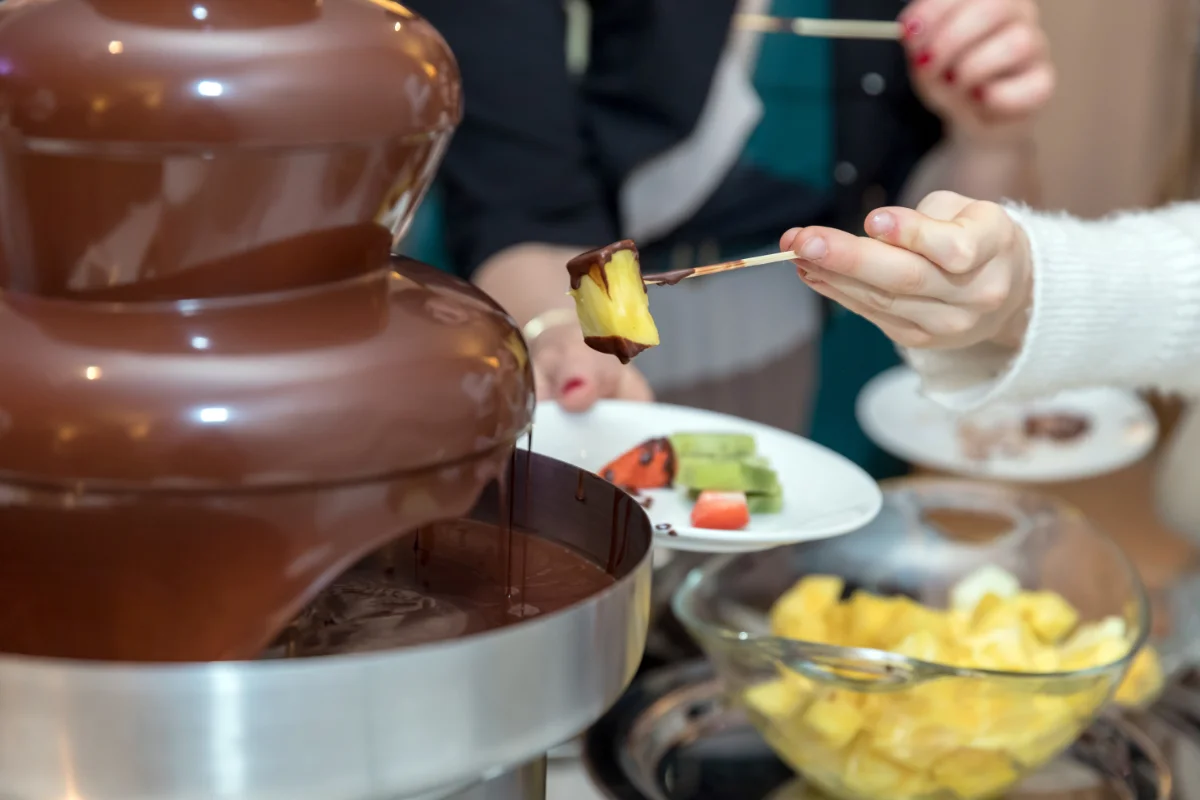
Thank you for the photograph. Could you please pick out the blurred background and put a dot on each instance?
(1123, 130)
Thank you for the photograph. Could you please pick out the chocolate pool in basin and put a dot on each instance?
(264, 529)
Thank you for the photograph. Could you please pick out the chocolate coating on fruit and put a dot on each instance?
(593, 263)
(622, 348)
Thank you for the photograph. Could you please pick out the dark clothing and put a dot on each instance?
(541, 155)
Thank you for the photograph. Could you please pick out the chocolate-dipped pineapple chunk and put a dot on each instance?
(611, 300)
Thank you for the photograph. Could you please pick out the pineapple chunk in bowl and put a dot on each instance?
(902, 662)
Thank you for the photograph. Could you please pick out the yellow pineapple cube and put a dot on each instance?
(1048, 613)
(868, 773)
(974, 774)
(867, 618)
(800, 613)
(611, 300)
(836, 717)
(1144, 680)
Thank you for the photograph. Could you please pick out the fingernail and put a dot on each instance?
(572, 385)
(881, 223)
(977, 94)
(913, 28)
(948, 76)
(814, 249)
(922, 58)
(788, 237)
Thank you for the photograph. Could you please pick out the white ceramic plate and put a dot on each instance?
(823, 493)
(897, 417)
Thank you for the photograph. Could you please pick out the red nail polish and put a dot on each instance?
(948, 76)
(572, 385)
(913, 28)
(977, 94)
(922, 58)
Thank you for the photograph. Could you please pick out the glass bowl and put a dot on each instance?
(868, 723)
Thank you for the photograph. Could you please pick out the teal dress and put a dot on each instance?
(794, 140)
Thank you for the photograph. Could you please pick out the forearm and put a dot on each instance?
(986, 170)
(1115, 302)
(528, 279)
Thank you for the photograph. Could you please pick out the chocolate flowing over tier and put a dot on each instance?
(217, 389)
(175, 486)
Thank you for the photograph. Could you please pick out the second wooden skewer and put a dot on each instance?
(821, 28)
(675, 276)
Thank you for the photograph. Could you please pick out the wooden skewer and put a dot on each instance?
(821, 28)
(675, 276)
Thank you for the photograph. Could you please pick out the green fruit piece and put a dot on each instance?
(716, 445)
(765, 503)
(724, 475)
(769, 502)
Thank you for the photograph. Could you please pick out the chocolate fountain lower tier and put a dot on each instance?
(419, 682)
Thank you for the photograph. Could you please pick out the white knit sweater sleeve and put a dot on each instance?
(1116, 303)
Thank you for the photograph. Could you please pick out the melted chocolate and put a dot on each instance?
(270, 73)
(624, 349)
(1057, 427)
(224, 391)
(671, 278)
(444, 585)
(593, 262)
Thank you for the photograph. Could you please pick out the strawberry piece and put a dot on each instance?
(721, 511)
(650, 465)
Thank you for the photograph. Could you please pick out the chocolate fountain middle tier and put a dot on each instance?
(177, 479)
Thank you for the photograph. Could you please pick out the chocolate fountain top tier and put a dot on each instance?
(183, 149)
(197, 202)
(222, 72)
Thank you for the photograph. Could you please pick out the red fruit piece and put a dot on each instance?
(721, 511)
(650, 465)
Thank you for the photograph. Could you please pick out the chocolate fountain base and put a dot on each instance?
(428, 721)
(527, 782)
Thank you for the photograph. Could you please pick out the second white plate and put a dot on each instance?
(894, 413)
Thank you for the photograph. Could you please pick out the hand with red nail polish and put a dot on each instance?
(953, 273)
(571, 373)
(982, 65)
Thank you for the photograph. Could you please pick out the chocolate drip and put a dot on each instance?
(624, 349)
(671, 278)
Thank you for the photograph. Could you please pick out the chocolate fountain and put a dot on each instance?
(263, 529)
